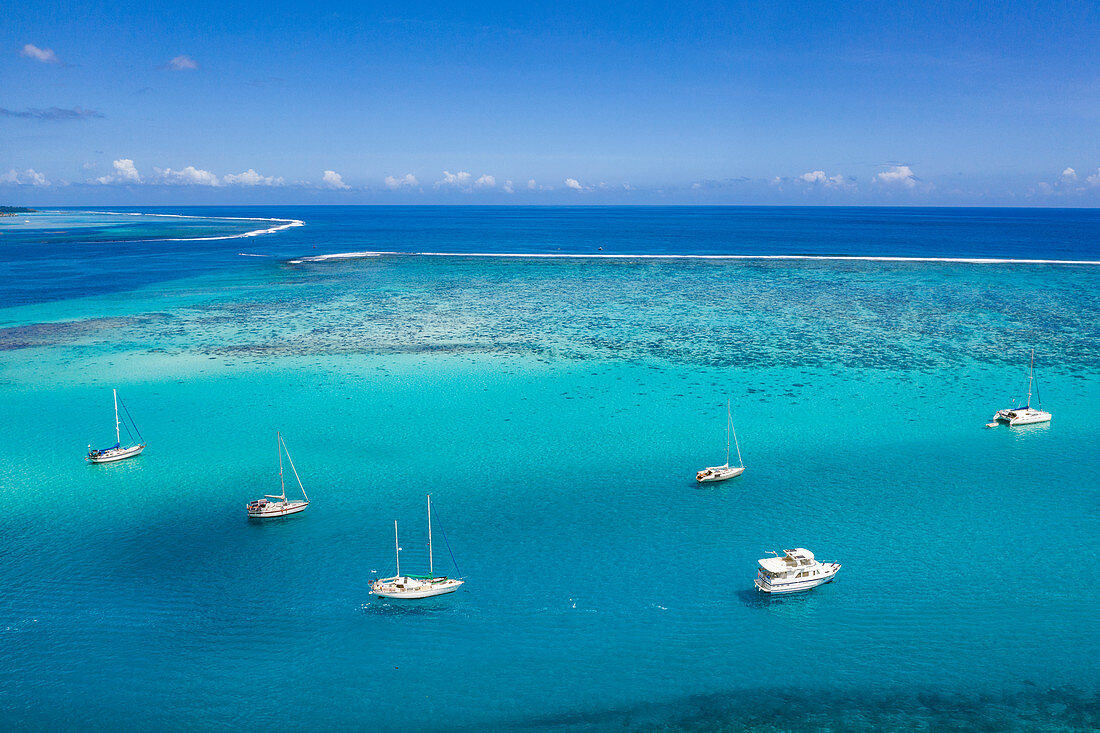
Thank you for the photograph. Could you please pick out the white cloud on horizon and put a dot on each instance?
(464, 181)
(897, 175)
(454, 180)
(816, 178)
(45, 55)
(189, 176)
(574, 184)
(507, 187)
(125, 172)
(1069, 175)
(406, 181)
(251, 178)
(1094, 179)
(334, 180)
(28, 177)
(183, 62)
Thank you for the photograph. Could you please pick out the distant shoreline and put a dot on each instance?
(15, 210)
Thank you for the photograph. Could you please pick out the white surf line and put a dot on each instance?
(343, 256)
(284, 224)
(565, 255)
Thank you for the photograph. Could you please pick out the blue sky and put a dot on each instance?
(710, 103)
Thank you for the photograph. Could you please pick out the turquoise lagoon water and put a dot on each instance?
(556, 409)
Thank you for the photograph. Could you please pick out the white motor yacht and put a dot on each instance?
(1026, 415)
(278, 506)
(796, 570)
(118, 451)
(415, 586)
(725, 471)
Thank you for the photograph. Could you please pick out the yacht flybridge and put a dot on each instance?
(416, 586)
(117, 451)
(1026, 415)
(796, 570)
(725, 471)
(278, 506)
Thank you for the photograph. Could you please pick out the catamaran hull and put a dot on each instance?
(797, 585)
(280, 512)
(113, 456)
(1022, 418)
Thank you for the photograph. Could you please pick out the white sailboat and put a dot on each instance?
(1026, 415)
(117, 452)
(278, 506)
(415, 586)
(725, 471)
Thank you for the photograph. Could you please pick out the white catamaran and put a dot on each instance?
(117, 452)
(278, 506)
(415, 586)
(725, 471)
(1026, 415)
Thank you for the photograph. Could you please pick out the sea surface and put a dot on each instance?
(555, 396)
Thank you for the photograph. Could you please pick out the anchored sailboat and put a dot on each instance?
(278, 506)
(416, 586)
(1026, 415)
(725, 471)
(117, 452)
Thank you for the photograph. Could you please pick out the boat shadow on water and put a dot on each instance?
(793, 604)
(432, 606)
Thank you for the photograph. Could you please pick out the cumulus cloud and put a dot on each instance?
(818, 178)
(332, 179)
(461, 179)
(183, 62)
(507, 187)
(251, 178)
(51, 114)
(189, 176)
(574, 184)
(1094, 179)
(897, 175)
(45, 55)
(464, 181)
(531, 185)
(406, 181)
(1069, 175)
(28, 177)
(124, 172)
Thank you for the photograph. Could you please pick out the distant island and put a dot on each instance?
(13, 210)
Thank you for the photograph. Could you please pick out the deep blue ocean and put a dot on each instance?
(557, 409)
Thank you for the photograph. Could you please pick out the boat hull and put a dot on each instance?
(421, 592)
(110, 456)
(1022, 417)
(722, 474)
(796, 586)
(271, 511)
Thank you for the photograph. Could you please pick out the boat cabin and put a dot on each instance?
(796, 563)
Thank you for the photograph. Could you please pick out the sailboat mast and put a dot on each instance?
(118, 435)
(727, 432)
(431, 562)
(279, 450)
(1030, 378)
(396, 548)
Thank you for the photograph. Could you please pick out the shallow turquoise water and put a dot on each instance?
(557, 411)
